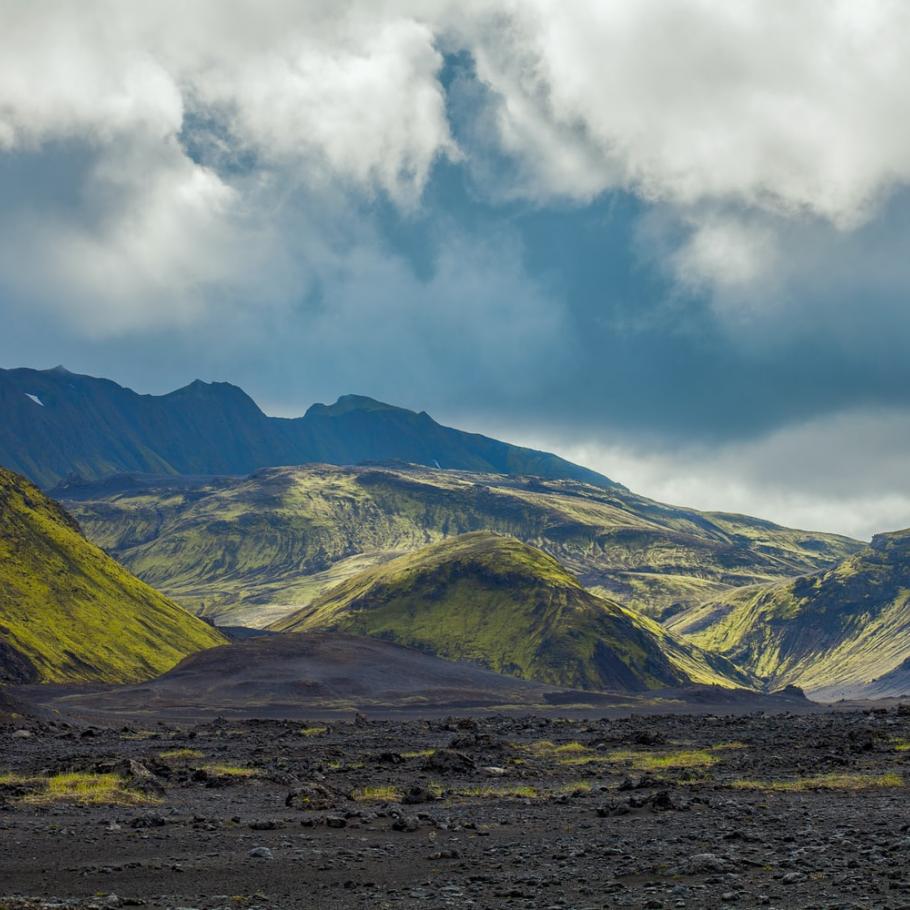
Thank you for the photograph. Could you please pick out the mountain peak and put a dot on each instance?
(348, 403)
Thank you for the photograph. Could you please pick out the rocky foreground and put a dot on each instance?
(660, 812)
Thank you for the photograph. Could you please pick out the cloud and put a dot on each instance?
(194, 126)
(792, 109)
(419, 200)
(739, 119)
(844, 472)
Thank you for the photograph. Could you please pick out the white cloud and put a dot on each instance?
(320, 100)
(733, 116)
(842, 473)
(736, 118)
(795, 108)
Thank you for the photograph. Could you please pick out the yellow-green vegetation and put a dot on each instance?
(87, 789)
(493, 600)
(842, 627)
(726, 747)
(181, 755)
(379, 794)
(218, 770)
(546, 747)
(664, 761)
(574, 787)
(571, 753)
(824, 782)
(419, 753)
(251, 550)
(313, 731)
(69, 612)
(504, 791)
(12, 779)
(901, 745)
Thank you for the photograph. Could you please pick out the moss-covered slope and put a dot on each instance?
(68, 612)
(495, 601)
(250, 550)
(842, 627)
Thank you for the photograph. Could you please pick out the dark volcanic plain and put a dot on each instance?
(493, 811)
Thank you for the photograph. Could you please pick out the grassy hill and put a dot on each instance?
(835, 630)
(68, 612)
(250, 550)
(495, 601)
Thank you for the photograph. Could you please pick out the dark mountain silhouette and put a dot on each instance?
(59, 424)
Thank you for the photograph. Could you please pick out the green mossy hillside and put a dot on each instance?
(249, 550)
(492, 600)
(69, 612)
(839, 628)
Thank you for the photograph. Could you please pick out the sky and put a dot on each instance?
(667, 239)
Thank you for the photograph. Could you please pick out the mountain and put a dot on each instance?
(249, 550)
(494, 601)
(58, 424)
(832, 633)
(68, 612)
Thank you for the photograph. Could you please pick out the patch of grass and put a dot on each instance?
(89, 790)
(11, 779)
(824, 782)
(724, 747)
(578, 760)
(382, 794)
(654, 761)
(313, 731)
(230, 771)
(572, 753)
(506, 792)
(180, 754)
(420, 753)
(901, 745)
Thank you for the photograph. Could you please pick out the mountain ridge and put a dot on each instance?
(835, 632)
(60, 424)
(249, 550)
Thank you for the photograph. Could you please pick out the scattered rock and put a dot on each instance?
(310, 796)
(448, 761)
(705, 863)
(148, 821)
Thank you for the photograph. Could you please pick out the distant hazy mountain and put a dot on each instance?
(495, 601)
(249, 550)
(68, 612)
(841, 632)
(56, 423)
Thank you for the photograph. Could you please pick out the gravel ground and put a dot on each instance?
(674, 811)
